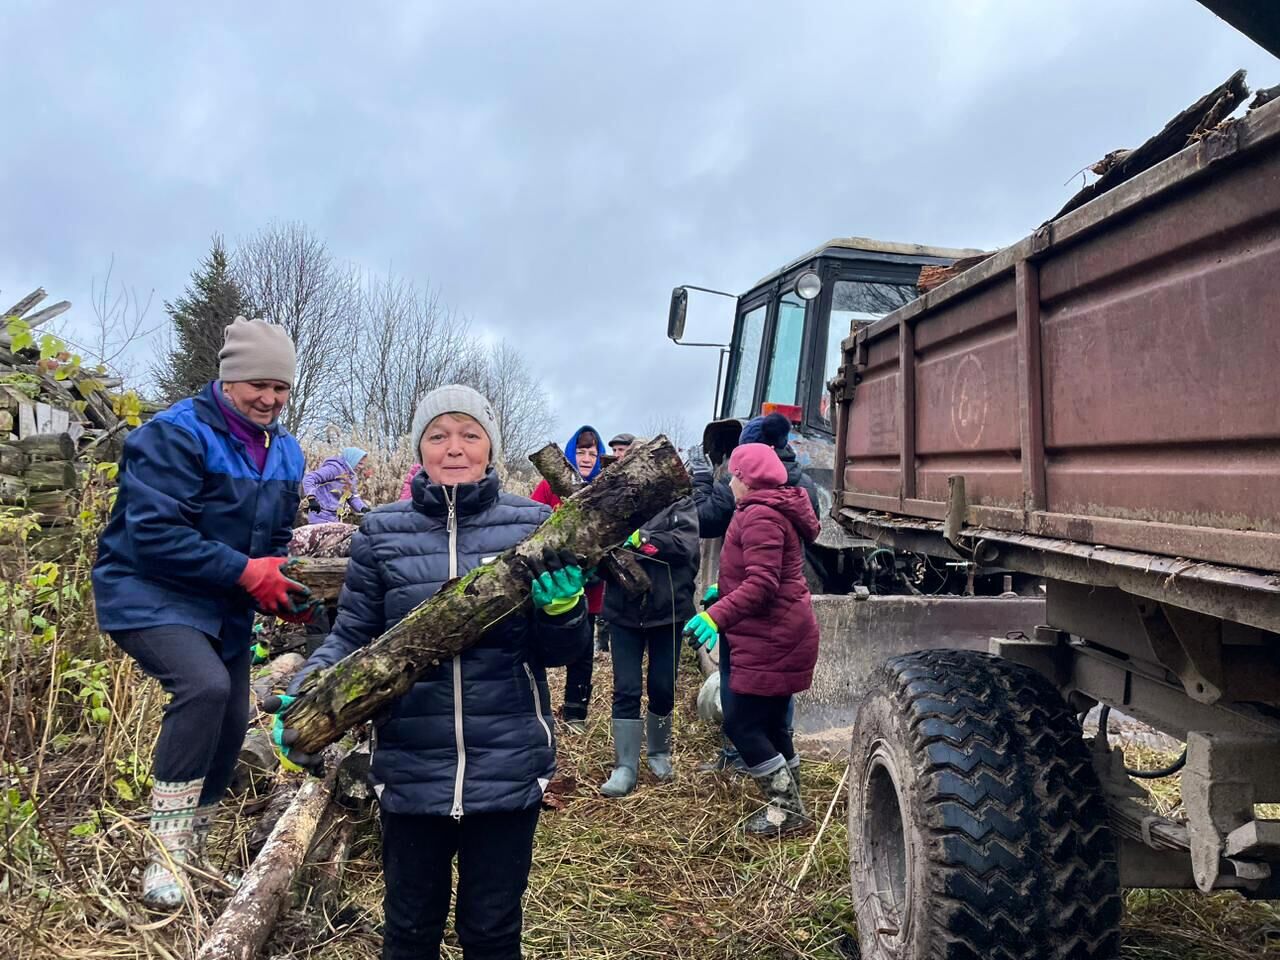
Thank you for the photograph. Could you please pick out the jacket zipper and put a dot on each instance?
(537, 702)
(459, 739)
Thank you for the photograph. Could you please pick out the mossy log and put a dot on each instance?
(619, 567)
(590, 523)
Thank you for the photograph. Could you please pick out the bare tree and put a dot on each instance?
(518, 399)
(121, 323)
(289, 277)
(671, 426)
(403, 343)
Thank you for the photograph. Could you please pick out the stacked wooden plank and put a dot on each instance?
(56, 421)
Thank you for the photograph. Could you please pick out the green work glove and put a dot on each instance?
(261, 653)
(283, 737)
(703, 630)
(711, 596)
(634, 540)
(556, 581)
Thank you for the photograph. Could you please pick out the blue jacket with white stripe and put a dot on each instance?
(191, 509)
(474, 734)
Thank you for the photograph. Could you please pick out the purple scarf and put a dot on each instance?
(254, 437)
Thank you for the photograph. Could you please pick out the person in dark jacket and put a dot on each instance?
(770, 635)
(333, 485)
(714, 498)
(585, 450)
(460, 763)
(667, 550)
(204, 510)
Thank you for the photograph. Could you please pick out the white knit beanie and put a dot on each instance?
(456, 398)
(256, 350)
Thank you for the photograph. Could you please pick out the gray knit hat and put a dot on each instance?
(456, 398)
(256, 350)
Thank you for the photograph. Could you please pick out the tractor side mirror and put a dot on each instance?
(676, 313)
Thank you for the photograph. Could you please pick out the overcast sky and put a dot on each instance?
(553, 168)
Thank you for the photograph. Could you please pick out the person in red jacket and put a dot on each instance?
(585, 450)
(762, 609)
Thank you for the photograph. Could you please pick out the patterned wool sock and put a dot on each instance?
(173, 810)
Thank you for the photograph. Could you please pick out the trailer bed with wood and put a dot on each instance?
(1096, 405)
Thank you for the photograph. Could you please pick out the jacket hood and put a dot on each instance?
(571, 448)
(793, 503)
(352, 456)
(794, 470)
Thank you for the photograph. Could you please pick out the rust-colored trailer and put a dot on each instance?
(1098, 405)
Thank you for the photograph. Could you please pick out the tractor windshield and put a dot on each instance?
(855, 302)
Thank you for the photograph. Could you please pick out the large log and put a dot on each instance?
(245, 924)
(619, 566)
(1196, 120)
(591, 522)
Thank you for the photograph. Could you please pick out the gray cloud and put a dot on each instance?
(555, 169)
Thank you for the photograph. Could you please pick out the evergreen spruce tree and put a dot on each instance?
(211, 301)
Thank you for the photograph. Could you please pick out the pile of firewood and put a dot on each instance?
(57, 420)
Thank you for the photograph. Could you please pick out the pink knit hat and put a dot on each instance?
(758, 466)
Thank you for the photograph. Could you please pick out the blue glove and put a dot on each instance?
(703, 630)
(283, 737)
(556, 581)
(711, 596)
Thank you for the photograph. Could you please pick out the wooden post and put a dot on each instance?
(589, 523)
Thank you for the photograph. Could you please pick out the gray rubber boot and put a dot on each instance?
(658, 745)
(784, 811)
(626, 758)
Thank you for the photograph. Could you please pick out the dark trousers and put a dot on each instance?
(577, 682)
(627, 656)
(494, 851)
(204, 722)
(756, 725)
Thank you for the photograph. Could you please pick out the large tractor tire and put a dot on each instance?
(977, 828)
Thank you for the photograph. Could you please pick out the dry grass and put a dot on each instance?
(662, 874)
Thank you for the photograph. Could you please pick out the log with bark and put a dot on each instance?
(590, 523)
(1197, 120)
(619, 566)
(323, 576)
(245, 924)
(48, 446)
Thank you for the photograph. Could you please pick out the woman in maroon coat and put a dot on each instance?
(762, 608)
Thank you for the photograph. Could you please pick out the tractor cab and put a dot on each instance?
(787, 333)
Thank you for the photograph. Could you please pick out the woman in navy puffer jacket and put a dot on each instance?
(461, 762)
